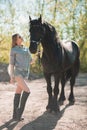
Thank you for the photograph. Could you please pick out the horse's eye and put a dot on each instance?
(30, 30)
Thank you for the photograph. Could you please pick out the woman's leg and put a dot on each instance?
(16, 101)
(18, 90)
(22, 84)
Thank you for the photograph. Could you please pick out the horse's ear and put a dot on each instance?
(29, 18)
(40, 19)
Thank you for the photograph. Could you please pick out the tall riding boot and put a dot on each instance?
(22, 105)
(16, 104)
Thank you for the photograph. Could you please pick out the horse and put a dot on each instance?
(60, 59)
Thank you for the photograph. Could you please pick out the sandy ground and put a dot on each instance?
(36, 118)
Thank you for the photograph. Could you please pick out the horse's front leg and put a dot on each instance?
(62, 94)
(55, 106)
(49, 90)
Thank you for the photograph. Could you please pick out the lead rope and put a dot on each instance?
(39, 59)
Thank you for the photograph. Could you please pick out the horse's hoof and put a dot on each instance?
(55, 111)
(61, 103)
(58, 109)
(49, 110)
(72, 102)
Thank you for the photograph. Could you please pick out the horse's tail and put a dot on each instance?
(77, 62)
(74, 70)
(77, 66)
(68, 74)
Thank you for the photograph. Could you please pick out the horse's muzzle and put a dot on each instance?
(33, 48)
(33, 51)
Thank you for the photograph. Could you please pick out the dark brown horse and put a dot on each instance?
(59, 59)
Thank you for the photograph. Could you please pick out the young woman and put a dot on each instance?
(19, 65)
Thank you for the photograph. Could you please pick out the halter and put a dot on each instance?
(37, 42)
(38, 51)
(39, 58)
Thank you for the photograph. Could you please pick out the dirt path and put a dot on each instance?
(36, 118)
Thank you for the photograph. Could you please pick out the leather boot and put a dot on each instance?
(22, 105)
(15, 105)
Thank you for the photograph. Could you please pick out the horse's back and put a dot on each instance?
(71, 49)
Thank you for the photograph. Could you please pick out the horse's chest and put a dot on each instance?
(50, 66)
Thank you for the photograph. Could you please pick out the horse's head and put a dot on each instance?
(37, 31)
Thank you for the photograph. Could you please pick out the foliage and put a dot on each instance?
(5, 44)
(83, 56)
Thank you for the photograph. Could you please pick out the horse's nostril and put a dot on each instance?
(32, 50)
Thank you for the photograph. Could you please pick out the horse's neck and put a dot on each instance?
(50, 49)
(48, 46)
(50, 42)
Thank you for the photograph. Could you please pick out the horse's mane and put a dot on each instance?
(52, 31)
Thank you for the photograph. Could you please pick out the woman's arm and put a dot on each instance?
(11, 70)
(11, 65)
(30, 57)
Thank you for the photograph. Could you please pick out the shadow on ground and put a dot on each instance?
(46, 121)
(81, 80)
(10, 125)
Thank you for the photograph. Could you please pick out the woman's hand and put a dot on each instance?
(12, 80)
(33, 61)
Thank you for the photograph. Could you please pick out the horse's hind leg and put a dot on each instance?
(62, 94)
(71, 96)
(74, 73)
(49, 90)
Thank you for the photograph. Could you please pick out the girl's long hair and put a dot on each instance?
(14, 39)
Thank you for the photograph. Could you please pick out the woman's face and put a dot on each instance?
(19, 41)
